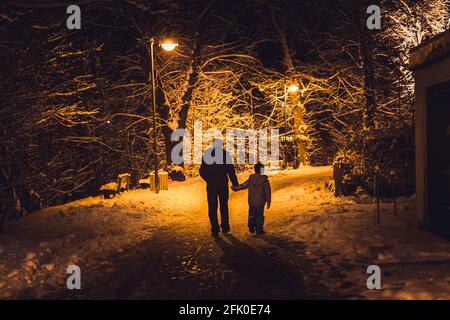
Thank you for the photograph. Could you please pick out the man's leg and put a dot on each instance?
(223, 199)
(251, 219)
(212, 209)
(259, 223)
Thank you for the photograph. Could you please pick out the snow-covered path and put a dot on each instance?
(147, 246)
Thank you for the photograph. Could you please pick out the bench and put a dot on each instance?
(109, 190)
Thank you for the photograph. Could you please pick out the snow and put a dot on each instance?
(431, 49)
(325, 243)
(112, 186)
(177, 168)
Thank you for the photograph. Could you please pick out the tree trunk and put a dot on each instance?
(366, 52)
(369, 81)
(366, 48)
(192, 76)
(280, 29)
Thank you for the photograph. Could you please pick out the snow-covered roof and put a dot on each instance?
(431, 50)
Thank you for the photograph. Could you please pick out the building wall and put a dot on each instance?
(426, 77)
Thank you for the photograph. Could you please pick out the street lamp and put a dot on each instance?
(167, 45)
(292, 88)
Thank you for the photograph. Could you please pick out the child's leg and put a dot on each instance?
(251, 219)
(259, 221)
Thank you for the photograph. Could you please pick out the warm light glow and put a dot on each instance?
(168, 45)
(293, 88)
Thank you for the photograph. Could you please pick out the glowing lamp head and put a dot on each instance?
(168, 45)
(293, 88)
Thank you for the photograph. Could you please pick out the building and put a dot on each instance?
(430, 63)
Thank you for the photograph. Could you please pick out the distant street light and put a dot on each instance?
(292, 88)
(167, 45)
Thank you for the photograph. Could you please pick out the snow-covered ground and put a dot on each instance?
(145, 245)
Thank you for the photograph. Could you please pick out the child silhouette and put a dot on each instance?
(259, 194)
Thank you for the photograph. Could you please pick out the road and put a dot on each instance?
(180, 260)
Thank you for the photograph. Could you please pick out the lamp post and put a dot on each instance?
(167, 45)
(292, 88)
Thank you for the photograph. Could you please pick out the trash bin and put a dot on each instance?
(163, 180)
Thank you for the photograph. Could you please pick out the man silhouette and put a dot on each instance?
(217, 167)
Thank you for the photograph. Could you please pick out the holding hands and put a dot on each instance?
(238, 187)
